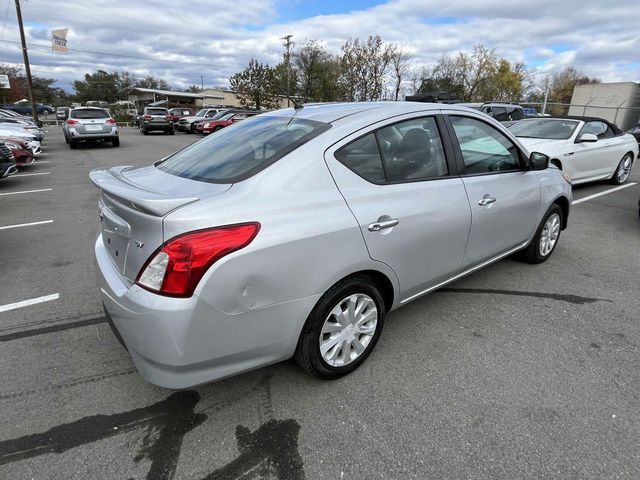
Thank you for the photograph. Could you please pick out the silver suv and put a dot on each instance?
(90, 124)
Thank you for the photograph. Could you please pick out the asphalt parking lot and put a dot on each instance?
(516, 371)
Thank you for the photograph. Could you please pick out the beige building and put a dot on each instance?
(617, 102)
(210, 97)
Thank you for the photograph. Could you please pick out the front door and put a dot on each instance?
(504, 197)
(413, 213)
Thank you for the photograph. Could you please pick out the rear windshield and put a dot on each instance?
(157, 111)
(234, 154)
(93, 113)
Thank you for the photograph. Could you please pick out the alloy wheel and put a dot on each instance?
(348, 330)
(624, 169)
(549, 235)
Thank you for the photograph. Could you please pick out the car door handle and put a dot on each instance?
(568, 154)
(486, 200)
(377, 226)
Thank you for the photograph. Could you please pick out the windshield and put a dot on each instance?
(550, 128)
(237, 153)
(202, 113)
(87, 114)
(227, 116)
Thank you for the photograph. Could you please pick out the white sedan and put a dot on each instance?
(587, 149)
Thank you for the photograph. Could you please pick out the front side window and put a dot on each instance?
(484, 148)
(599, 129)
(234, 154)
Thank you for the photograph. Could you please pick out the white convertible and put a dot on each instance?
(587, 149)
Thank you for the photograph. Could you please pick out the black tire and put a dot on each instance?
(66, 139)
(72, 145)
(308, 354)
(617, 179)
(115, 142)
(532, 253)
(171, 132)
(145, 131)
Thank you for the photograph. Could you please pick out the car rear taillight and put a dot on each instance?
(111, 121)
(72, 121)
(147, 117)
(167, 117)
(176, 268)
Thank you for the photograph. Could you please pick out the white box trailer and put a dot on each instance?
(617, 102)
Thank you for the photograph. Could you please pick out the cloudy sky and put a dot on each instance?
(181, 40)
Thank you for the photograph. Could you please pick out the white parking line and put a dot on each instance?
(25, 224)
(26, 303)
(27, 191)
(29, 174)
(606, 192)
(42, 161)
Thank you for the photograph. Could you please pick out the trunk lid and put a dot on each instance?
(92, 125)
(132, 206)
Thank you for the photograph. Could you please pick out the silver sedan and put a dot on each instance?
(293, 233)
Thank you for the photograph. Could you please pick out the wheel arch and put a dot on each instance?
(563, 203)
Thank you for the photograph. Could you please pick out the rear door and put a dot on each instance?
(594, 159)
(400, 182)
(504, 197)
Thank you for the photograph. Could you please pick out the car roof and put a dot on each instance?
(373, 111)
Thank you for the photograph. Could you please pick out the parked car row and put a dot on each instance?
(24, 108)
(20, 142)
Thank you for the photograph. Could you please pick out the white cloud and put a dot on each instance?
(217, 38)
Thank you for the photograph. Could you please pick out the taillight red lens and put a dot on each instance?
(71, 121)
(167, 117)
(147, 117)
(111, 121)
(190, 255)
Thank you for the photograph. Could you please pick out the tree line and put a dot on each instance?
(363, 70)
(370, 70)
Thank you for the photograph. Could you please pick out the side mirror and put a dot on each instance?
(538, 161)
(587, 137)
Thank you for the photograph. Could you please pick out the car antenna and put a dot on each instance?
(296, 105)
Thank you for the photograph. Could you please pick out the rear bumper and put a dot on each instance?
(182, 342)
(157, 126)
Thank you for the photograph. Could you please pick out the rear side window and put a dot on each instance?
(403, 152)
(234, 154)
(88, 114)
(412, 150)
(484, 148)
(363, 158)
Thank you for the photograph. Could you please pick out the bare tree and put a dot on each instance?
(364, 65)
(400, 66)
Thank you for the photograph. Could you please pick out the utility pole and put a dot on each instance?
(287, 56)
(201, 83)
(25, 57)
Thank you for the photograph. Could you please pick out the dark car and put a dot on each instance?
(635, 131)
(154, 119)
(25, 108)
(7, 162)
(177, 113)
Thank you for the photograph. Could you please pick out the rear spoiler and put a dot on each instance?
(114, 184)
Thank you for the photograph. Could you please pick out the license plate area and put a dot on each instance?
(115, 236)
(93, 128)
